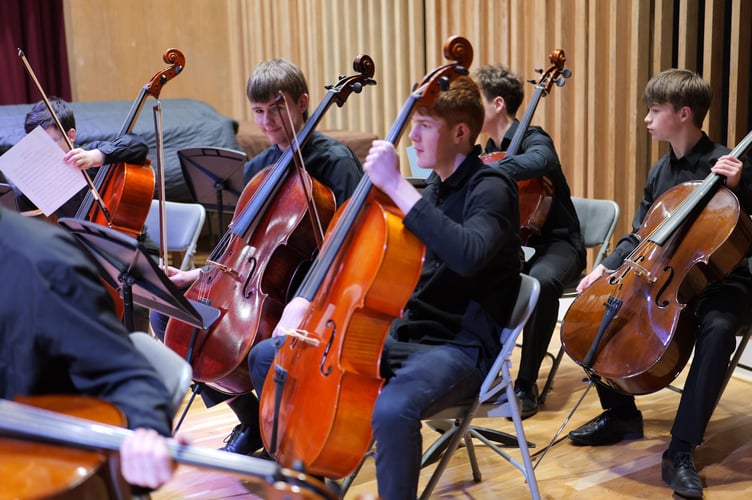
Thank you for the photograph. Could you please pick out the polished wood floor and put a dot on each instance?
(623, 471)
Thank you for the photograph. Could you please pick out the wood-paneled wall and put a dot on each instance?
(612, 48)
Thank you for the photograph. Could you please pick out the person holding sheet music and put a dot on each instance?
(128, 148)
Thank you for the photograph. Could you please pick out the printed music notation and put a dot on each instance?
(35, 165)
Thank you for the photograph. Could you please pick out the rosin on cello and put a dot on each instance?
(318, 397)
(633, 329)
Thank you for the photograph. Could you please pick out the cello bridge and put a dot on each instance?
(224, 268)
(641, 271)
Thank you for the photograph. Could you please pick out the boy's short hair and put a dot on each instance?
(40, 115)
(271, 77)
(498, 81)
(680, 87)
(461, 103)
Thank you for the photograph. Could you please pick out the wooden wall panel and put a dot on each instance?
(596, 119)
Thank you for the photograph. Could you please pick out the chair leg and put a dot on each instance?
(457, 433)
(470, 447)
(550, 379)
(447, 428)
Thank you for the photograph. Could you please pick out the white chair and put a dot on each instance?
(174, 371)
(496, 399)
(598, 219)
(184, 222)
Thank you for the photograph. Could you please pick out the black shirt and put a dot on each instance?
(469, 224)
(671, 171)
(59, 333)
(327, 160)
(537, 157)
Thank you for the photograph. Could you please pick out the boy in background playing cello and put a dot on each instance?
(678, 101)
(559, 250)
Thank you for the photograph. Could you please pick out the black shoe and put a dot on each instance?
(528, 399)
(678, 471)
(244, 440)
(607, 428)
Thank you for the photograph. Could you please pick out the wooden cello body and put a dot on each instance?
(536, 194)
(53, 445)
(634, 329)
(126, 189)
(317, 401)
(254, 270)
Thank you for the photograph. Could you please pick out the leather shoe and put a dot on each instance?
(678, 471)
(528, 400)
(244, 439)
(607, 428)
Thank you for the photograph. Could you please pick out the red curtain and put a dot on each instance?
(36, 27)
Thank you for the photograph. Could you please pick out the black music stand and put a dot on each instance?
(125, 264)
(214, 177)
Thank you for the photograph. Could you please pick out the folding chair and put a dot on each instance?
(184, 222)
(174, 371)
(598, 219)
(496, 399)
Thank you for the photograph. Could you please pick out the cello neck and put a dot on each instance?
(519, 133)
(332, 246)
(39, 424)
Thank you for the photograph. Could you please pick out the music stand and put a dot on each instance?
(126, 266)
(214, 177)
(8, 197)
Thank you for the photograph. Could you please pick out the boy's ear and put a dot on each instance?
(72, 135)
(303, 102)
(461, 131)
(685, 113)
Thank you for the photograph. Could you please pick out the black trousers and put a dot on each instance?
(554, 266)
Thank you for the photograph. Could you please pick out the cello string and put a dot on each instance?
(292, 137)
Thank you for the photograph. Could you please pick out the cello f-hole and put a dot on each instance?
(663, 303)
(247, 292)
(328, 370)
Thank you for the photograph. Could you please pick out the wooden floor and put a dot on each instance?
(626, 470)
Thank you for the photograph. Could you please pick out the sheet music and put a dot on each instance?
(35, 165)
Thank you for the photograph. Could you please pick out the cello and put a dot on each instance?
(536, 194)
(634, 328)
(127, 189)
(34, 465)
(317, 400)
(253, 270)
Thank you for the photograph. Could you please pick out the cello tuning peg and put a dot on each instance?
(566, 73)
(462, 70)
(341, 77)
(532, 80)
(329, 86)
(538, 70)
(357, 87)
(444, 83)
(560, 81)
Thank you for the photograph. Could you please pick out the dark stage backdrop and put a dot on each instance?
(36, 27)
